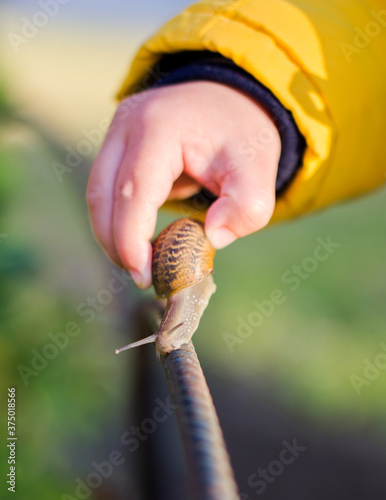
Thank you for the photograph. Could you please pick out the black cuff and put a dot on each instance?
(189, 66)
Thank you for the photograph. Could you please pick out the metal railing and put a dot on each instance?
(210, 474)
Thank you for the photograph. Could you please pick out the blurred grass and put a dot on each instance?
(49, 263)
(304, 352)
(320, 335)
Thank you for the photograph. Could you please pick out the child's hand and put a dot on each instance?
(173, 141)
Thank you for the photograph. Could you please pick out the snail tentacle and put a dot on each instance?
(182, 270)
(146, 340)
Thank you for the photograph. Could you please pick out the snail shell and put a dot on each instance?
(182, 270)
(182, 256)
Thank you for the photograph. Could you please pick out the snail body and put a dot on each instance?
(182, 270)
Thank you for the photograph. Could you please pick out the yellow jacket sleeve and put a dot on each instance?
(324, 60)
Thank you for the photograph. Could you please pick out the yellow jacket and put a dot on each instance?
(324, 60)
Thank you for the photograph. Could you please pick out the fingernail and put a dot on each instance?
(221, 237)
(142, 280)
(137, 278)
(142, 276)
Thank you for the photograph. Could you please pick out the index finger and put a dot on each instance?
(143, 184)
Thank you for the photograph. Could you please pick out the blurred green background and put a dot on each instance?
(298, 365)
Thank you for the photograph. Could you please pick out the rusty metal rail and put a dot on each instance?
(211, 473)
(211, 476)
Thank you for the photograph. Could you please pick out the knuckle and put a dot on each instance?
(258, 212)
(152, 109)
(94, 196)
(125, 109)
(142, 108)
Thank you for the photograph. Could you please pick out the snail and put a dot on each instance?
(182, 270)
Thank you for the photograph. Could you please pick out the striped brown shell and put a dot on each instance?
(182, 256)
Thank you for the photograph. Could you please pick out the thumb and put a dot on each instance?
(245, 205)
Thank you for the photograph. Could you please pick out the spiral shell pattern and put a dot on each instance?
(182, 256)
